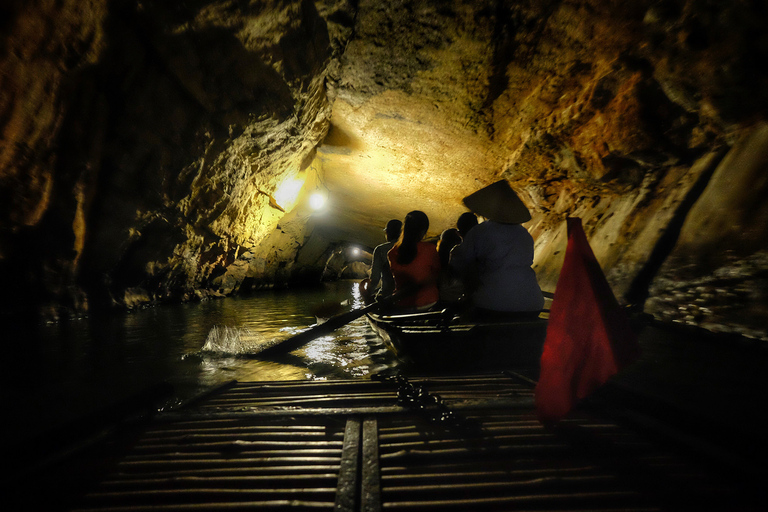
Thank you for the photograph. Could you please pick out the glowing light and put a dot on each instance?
(317, 200)
(355, 251)
(288, 191)
(357, 297)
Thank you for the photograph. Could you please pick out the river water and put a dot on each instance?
(56, 374)
(59, 373)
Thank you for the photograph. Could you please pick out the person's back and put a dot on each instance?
(498, 253)
(415, 264)
(422, 272)
(380, 270)
(450, 286)
(502, 255)
(381, 274)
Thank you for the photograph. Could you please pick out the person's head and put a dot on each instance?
(449, 239)
(392, 230)
(414, 228)
(466, 221)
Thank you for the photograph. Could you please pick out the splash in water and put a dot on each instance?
(240, 341)
(233, 340)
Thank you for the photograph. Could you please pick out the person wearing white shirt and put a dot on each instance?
(380, 271)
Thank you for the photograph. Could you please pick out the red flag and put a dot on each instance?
(589, 338)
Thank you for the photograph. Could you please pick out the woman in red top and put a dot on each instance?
(415, 263)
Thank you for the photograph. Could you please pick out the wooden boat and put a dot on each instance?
(443, 340)
(460, 442)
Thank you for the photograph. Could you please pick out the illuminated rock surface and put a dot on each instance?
(149, 148)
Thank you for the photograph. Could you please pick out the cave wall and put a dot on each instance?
(634, 118)
(143, 142)
(618, 113)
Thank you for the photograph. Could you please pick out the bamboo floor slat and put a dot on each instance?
(359, 445)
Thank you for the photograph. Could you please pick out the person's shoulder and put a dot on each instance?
(519, 228)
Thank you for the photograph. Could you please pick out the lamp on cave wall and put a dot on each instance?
(317, 192)
(317, 200)
(356, 253)
(287, 193)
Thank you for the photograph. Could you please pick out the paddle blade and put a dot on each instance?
(331, 324)
(589, 338)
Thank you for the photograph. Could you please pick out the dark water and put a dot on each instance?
(62, 372)
(59, 373)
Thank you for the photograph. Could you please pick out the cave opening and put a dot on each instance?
(171, 167)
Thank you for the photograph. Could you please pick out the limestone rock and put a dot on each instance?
(147, 146)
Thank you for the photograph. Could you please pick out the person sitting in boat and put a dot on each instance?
(381, 274)
(500, 253)
(465, 222)
(415, 264)
(450, 286)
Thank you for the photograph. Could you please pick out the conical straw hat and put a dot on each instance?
(499, 203)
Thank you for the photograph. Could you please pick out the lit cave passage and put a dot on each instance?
(166, 151)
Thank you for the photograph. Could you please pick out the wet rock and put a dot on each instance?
(144, 143)
(355, 270)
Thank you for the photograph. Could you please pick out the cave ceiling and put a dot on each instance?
(147, 145)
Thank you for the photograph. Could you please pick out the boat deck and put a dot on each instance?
(467, 442)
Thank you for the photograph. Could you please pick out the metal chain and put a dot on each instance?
(415, 396)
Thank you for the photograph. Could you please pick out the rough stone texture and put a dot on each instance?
(143, 143)
(717, 275)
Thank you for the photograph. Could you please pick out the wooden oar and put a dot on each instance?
(327, 327)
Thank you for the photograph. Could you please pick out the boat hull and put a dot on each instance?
(431, 341)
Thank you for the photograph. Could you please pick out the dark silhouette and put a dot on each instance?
(499, 253)
(466, 221)
(450, 285)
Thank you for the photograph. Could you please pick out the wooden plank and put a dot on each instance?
(282, 430)
(232, 445)
(221, 462)
(502, 487)
(204, 395)
(371, 481)
(276, 472)
(252, 397)
(309, 413)
(249, 481)
(235, 455)
(611, 500)
(525, 402)
(294, 505)
(347, 487)
(469, 474)
(476, 443)
(455, 453)
(234, 495)
(346, 451)
(316, 401)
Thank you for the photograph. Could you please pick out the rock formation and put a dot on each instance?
(147, 146)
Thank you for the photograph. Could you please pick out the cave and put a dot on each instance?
(157, 152)
(160, 153)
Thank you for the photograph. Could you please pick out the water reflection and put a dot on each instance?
(65, 371)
